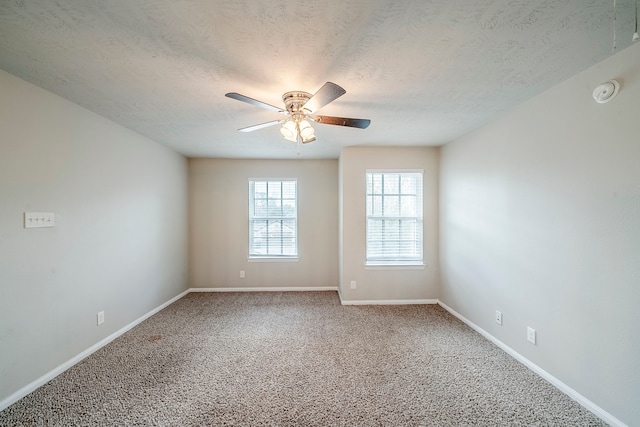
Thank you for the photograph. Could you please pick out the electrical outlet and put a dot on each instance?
(498, 317)
(531, 335)
(242, 274)
(353, 284)
(100, 317)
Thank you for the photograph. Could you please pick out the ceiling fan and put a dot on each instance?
(300, 108)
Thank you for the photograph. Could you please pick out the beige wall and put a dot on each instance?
(120, 243)
(385, 284)
(219, 192)
(540, 218)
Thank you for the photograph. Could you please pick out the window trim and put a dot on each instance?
(389, 265)
(274, 258)
(271, 257)
(397, 264)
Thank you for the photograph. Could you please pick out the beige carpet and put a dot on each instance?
(297, 359)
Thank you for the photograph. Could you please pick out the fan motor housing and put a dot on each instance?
(295, 100)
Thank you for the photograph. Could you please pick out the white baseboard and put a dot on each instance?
(389, 302)
(69, 363)
(595, 409)
(278, 289)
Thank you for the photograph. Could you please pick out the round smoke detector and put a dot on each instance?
(606, 91)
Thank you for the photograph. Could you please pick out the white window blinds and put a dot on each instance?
(273, 218)
(394, 217)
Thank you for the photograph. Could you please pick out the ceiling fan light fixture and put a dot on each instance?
(288, 131)
(295, 129)
(309, 139)
(306, 131)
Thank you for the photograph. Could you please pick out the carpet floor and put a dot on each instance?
(297, 359)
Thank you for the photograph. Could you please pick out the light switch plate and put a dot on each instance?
(39, 219)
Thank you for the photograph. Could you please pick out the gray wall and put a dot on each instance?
(540, 218)
(385, 284)
(120, 243)
(219, 236)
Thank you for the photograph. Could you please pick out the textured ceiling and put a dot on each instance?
(424, 71)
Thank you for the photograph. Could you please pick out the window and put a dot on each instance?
(273, 222)
(394, 218)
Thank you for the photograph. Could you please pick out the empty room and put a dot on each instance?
(323, 213)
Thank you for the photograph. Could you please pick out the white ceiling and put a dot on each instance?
(424, 71)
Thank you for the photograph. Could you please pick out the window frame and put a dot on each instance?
(252, 217)
(395, 261)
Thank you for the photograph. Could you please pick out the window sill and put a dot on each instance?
(387, 265)
(273, 259)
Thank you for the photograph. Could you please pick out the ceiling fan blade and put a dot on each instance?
(237, 96)
(327, 93)
(260, 126)
(343, 121)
